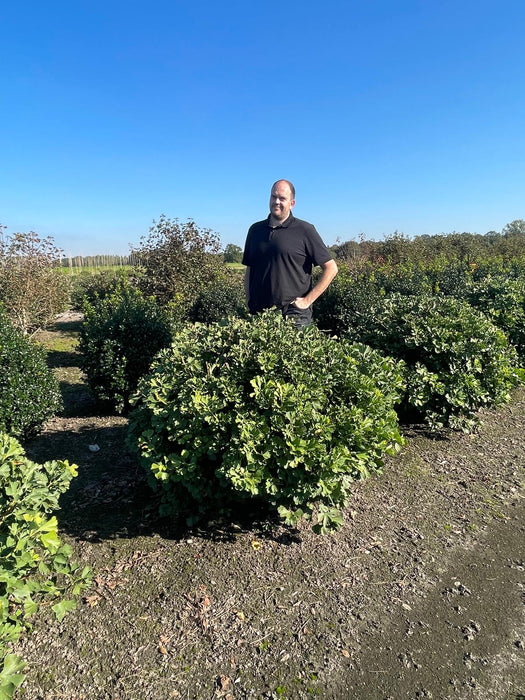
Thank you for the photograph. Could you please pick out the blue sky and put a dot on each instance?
(406, 115)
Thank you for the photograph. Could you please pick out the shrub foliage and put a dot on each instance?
(255, 408)
(35, 566)
(220, 299)
(93, 286)
(120, 336)
(457, 360)
(29, 391)
(502, 299)
(33, 287)
(176, 260)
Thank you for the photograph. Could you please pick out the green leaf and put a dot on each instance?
(10, 675)
(61, 609)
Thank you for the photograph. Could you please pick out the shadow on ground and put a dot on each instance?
(71, 327)
(111, 498)
(62, 358)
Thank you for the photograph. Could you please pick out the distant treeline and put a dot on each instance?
(462, 247)
(90, 261)
(393, 249)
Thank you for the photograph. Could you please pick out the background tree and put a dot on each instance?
(348, 251)
(515, 228)
(232, 253)
(175, 261)
(33, 287)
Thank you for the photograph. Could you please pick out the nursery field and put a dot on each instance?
(419, 594)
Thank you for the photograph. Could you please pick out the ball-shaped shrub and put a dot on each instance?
(257, 409)
(347, 301)
(120, 336)
(457, 360)
(220, 299)
(29, 391)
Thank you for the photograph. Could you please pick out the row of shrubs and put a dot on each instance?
(453, 358)
(226, 412)
(36, 568)
(404, 315)
(495, 287)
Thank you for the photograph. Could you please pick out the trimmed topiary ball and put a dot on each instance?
(119, 338)
(29, 391)
(257, 409)
(457, 360)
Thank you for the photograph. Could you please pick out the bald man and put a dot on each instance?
(279, 254)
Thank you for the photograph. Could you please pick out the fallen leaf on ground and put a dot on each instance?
(224, 682)
(92, 600)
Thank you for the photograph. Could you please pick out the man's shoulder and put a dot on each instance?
(303, 225)
(259, 224)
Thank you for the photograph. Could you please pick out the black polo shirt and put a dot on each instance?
(281, 261)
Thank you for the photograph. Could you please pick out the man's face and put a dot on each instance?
(281, 201)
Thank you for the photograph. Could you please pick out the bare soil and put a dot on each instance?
(419, 595)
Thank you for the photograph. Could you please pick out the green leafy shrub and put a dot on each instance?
(502, 299)
(176, 261)
(29, 391)
(120, 336)
(257, 409)
(92, 286)
(220, 299)
(347, 301)
(457, 360)
(35, 566)
(403, 278)
(33, 287)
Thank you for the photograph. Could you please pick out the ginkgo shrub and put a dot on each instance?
(36, 568)
(255, 408)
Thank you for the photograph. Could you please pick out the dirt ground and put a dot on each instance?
(420, 594)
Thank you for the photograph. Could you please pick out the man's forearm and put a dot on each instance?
(329, 272)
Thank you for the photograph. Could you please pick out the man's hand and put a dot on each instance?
(301, 303)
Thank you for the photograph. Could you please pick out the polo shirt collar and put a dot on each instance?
(284, 224)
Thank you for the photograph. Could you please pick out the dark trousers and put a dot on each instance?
(301, 317)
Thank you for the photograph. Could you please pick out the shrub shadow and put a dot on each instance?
(62, 358)
(67, 327)
(77, 399)
(111, 499)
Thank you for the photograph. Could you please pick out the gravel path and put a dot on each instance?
(419, 595)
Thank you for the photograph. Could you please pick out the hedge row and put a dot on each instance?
(494, 287)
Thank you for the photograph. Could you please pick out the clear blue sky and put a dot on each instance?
(404, 115)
